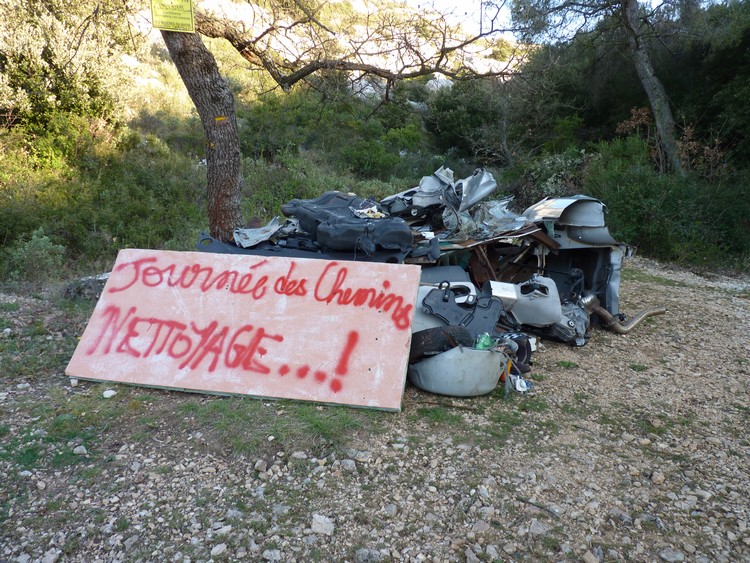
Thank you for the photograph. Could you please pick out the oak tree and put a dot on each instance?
(557, 19)
(291, 40)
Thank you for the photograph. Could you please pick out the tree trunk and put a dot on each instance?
(657, 96)
(215, 104)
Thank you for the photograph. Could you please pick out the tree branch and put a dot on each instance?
(389, 47)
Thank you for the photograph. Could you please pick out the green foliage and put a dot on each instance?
(707, 71)
(56, 58)
(341, 132)
(274, 124)
(439, 415)
(406, 105)
(458, 112)
(402, 139)
(679, 218)
(700, 54)
(244, 425)
(35, 259)
(555, 175)
(94, 192)
(149, 195)
(587, 86)
(565, 134)
(370, 159)
(502, 49)
(182, 133)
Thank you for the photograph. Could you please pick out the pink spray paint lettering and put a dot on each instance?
(148, 274)
(275, 327)
(141, 337)
(331, 289)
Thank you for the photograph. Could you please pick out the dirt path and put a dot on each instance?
(630, 448)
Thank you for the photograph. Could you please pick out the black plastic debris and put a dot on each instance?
(489, 274)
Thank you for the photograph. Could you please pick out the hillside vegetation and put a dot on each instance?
(100, 147)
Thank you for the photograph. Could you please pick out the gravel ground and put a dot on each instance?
(631, 448)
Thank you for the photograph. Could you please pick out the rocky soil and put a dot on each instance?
(631, 448)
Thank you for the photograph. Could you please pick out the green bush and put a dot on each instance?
(97, 196)
(370, 159)
(678, 218)
(557, 174)
(456, 114)
(353, 135)
(35, 259)
(267, 186)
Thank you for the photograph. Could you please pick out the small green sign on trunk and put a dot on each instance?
(173, 15)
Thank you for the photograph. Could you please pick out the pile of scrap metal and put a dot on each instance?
(492, 279)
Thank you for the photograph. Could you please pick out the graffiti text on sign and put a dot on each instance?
(330, 289)
(141, 337)
(241, 348)
(287, 285)
(320, 376)
(204, 277)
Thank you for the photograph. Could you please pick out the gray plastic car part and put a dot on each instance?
(460, 372)
(535, 302)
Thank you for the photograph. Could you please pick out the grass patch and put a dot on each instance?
(572, 409)
(638, 367)
(245, 425)
(506, 424)
(62, 420)
(581, 406)
(329, 423)
(90, 473)
(533, 404)
(549, 427)
(550, 542)
(621, 419)
(567, 365)
(65, 459)
(121, 524)
(439, 415)
(28, 456)
(41, 347)
(606, 419)
(631, 274)
(661, 424)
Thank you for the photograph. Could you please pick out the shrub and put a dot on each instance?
(370, 159)
(36, 259)
(98, 196)
(679, 218)
(557, 174)
(267, 186)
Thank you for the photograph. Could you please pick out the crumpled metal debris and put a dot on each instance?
(247, 238)
(552, 271)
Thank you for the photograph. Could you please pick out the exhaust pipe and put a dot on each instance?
(591, 303)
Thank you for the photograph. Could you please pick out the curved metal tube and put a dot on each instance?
(618, 327)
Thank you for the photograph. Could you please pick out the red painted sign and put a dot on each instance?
(293, 328)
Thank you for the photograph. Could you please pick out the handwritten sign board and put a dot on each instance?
(304, 329)
(173, 15)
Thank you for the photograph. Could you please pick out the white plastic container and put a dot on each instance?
(459, 372)
(535, 302)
